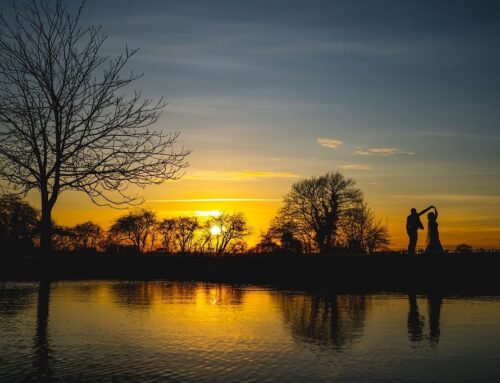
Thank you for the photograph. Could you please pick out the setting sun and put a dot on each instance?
(215, 230)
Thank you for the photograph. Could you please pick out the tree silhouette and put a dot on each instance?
(185, 228)
(64, 120)
(137, 227)
(228, 228)
(286, 235)
(361, 232)
(87, 236)
(178, 234)
(18, 223)
(463, 248)
(166, 229)
(316, 205)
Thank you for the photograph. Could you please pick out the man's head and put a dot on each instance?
(413, 210)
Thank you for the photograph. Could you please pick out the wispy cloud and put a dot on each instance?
(189, 200)
(332, 143)
(355, 167)
(243, 175)
(469, 198)
(381, 152)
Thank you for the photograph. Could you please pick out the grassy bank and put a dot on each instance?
(474, 272)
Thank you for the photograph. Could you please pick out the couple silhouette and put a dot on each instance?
(413, 224)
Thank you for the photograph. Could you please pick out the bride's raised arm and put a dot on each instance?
(425, 210)
(435, 211)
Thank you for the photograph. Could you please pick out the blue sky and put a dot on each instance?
(402, 96)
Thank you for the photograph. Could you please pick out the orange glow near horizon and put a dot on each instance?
(462, 219)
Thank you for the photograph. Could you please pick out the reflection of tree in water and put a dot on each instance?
(137, 294)
(41, 349)
(223, 294)
(416, 322)
(16, 299)
(87, 290)
(336, 321)
(143, 294)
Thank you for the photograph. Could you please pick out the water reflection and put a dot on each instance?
(134, 294)
(434, 303)
(416, 321)
(42, 355)
(14, 300)
(143, 294)
(223, 295)
(198, 332)
(336, 320)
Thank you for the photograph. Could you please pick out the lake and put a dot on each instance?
(161, 331)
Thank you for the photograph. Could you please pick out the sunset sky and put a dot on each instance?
(403, 97)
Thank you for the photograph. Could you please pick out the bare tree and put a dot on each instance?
(361, 232)
(65, 122)
(225, 229)
(204, 242)
(377, 237)
(316, 204)
(63, 238)
(166, 229)
(87, 235)
(137, 227)
(185, 228)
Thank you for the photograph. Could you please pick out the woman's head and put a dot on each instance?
(431, 216)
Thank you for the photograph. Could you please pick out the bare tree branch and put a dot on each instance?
(65, 122)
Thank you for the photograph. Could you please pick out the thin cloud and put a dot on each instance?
(469, 198)
(189, 200)
(381, 152)
(244, 175)
(332, 143)
(355, 167)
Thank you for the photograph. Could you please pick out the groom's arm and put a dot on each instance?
(425, 210)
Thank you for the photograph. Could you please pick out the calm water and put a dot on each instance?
(181, 332)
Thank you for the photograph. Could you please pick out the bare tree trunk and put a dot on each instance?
(46, 229)
(65, 122)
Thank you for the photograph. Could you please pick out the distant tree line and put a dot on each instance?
(326, 214)
(139, 231)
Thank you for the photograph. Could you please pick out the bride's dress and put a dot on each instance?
(433, 244)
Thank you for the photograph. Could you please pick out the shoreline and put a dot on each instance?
(449, 272)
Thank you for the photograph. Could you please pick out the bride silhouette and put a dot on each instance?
(433, 244)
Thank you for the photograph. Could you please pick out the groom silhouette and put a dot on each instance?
(413, 224)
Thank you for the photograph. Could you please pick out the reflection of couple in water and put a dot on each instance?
(413, 224)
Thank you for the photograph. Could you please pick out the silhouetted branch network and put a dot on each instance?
(65, 122)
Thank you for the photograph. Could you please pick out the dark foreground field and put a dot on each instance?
(451, 272)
